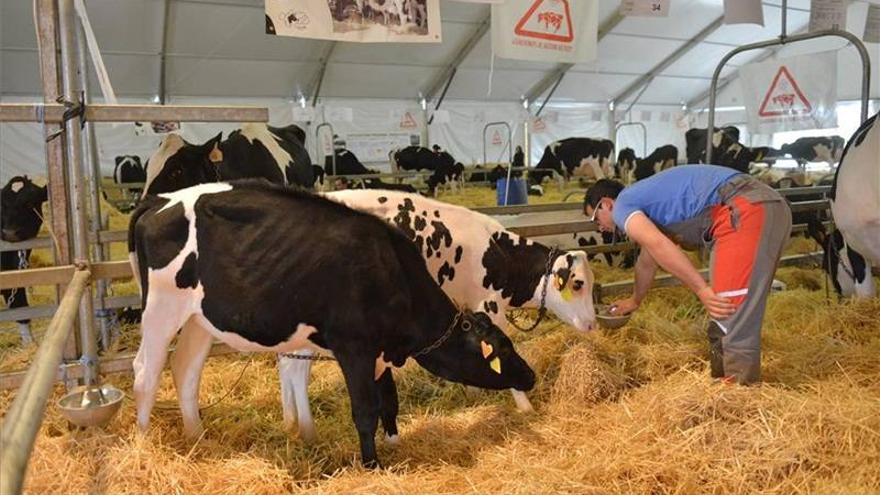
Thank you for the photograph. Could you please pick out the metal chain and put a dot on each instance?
(542, 309)
(22, 264)
(466, 326)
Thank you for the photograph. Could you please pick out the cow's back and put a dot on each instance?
(451, 240)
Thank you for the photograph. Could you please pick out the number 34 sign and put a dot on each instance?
(645, 8)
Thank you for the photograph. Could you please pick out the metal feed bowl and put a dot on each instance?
(609, 321)
(91, 406)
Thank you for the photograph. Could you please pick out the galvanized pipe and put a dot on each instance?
(644, 134)
(24, 417)
(318, 142)
(854, 40)
(77, 186)
(93, 172)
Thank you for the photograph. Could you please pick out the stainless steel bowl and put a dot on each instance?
(91, 406)
(609, 321)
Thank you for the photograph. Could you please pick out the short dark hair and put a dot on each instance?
(603, 188)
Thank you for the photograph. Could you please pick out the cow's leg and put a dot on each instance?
(159, 323)
(390, 406)
(193, 346)
(359, 371)
(295, 374)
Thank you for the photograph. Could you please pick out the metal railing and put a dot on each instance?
(24, 417)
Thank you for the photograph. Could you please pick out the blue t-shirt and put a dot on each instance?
(674, 195)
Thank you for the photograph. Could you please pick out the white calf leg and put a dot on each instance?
(24, 331)
(160, 321)
(193, 346)
(295, 374)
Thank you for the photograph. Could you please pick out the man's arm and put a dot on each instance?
(666, 254)
(645, 270)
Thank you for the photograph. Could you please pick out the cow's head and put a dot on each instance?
(178, 164)
(570, 290)
(20, 204)
(479, 354)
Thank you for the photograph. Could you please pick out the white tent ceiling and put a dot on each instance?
(217, 48)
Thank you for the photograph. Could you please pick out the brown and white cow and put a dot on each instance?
(476, 262)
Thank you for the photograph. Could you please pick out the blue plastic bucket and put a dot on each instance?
(518, 192)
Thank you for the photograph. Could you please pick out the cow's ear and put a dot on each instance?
(211, 149)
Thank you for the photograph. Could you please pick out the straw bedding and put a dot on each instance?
(622, 411)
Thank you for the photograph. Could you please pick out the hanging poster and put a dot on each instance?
(545, 30)
(791, 94)
(390, 21)
(827, 14)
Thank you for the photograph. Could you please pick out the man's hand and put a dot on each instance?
(718, 307)
(623, 307)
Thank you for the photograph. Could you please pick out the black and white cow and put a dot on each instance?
(576, 156)
(476, 262)
(848, 270)
(446, 171)
(267, 268)
(128, 169)
(695, 142)
(255, 150)
(347, 163)
(815, 149)
(21, 203)
(855, 199)
(631, 169)
(413, 158)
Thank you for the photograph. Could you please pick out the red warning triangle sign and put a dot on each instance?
(496, 139)
(784, 97)
(407, 121)
(547, 20)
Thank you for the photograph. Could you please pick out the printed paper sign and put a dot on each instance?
(791, 94)
(645, 8)
(545, 30)
(872, 25)
(743, 12)
(392, 21)
(827, 14)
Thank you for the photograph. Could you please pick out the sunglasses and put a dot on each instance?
(595, 211)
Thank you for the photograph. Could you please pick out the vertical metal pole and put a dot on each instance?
(77, 185)
(784, 31)
(92, 167)
(47, 24)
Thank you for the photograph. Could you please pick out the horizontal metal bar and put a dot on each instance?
(47, 310)
(105, 236)
(73, 371)
(132, 113)
(55, 275)
(554, 228)
(820, 204)
(520, 209)
(625, 286)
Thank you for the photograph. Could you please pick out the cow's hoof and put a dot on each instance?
(392, 439)
(308, 434)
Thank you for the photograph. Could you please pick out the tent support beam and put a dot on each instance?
(443, 79)
(315, 87)
(163, 84)
(669, 60)
(554, 77)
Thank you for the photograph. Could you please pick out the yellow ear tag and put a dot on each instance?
(566, 294)
(560, 282)
(487, 349)
(215, 155)
(495, 364)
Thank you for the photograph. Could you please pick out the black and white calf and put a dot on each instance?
(21, 202)
(695, 142)
(412, 158)
(576, 156)
(631, 169)
(254, 151)
(476, 262)
(855, 200)
(815, 149)
(128, 169)
(265, 268)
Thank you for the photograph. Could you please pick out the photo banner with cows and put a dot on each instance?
(561, 31)
(791, 94)
(366, 21)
